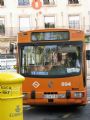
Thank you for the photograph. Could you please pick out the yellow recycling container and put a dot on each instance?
(11, 102)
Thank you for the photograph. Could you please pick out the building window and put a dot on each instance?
(73, 1)
(2, 26)
(74, 22)
(49, 2)
(1, 2)
(49, 21)
(24, 23)
(23, 2)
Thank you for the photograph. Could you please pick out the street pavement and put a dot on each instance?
(58, 113)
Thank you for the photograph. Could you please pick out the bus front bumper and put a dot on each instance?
(56, 99)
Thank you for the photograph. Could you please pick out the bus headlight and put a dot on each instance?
(61, 96)
(78, 95)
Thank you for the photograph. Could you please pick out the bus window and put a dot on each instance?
(64, 59)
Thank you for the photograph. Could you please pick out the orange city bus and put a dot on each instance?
(53, 62)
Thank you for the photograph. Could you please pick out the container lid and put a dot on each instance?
(11, 77)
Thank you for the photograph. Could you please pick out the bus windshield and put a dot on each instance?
(49, 60)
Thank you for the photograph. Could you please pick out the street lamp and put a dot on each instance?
(36, 20)
(36, 17)
(36, 4)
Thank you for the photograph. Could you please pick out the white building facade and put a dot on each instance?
(20, 15)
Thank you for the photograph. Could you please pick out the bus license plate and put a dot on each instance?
(50, 96)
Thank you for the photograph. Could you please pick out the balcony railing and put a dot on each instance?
(8, 31)
(73, 2)
(21, 3)
(49, 2)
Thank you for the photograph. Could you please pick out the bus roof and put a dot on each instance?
(74, 35)
(51, 29)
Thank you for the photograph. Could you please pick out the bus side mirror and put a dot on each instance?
(88, 54)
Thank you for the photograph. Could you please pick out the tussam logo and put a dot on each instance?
(36, 84)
